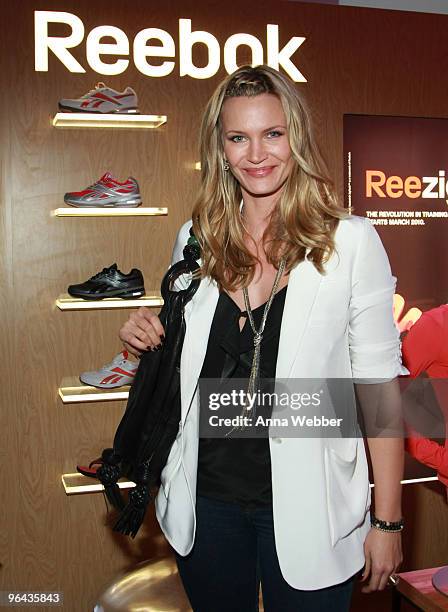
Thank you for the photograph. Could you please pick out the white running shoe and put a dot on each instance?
(102, 99)
(119, 372)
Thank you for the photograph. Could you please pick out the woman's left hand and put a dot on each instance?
(383, 554)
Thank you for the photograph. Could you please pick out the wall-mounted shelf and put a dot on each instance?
(413, 481)
(67, 302)
(72, 391)
(66, 211)
(96, 120)
(77, 483)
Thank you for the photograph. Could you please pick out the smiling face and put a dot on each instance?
(256, 143)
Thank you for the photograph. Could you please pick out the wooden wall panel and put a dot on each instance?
(356, 61)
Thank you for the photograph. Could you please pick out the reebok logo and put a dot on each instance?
(163, 46)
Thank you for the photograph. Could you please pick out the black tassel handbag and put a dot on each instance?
(150, 423)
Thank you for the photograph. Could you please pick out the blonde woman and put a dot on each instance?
(283, 264)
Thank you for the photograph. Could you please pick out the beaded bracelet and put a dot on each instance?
(390, 526)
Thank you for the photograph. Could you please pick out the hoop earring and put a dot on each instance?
(225, 165)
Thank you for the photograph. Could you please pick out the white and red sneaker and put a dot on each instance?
(107, 192)
(119, 372)
(102, 99)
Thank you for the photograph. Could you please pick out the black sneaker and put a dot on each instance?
(110, 283)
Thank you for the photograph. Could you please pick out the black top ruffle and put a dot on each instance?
(238, 469)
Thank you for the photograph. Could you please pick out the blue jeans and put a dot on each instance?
(233, 551)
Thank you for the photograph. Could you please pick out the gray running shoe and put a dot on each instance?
(120, 371)
(107, 192)
(102, 99)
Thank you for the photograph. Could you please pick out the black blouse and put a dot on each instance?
(238, 469)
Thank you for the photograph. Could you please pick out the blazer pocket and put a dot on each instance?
(347, 488)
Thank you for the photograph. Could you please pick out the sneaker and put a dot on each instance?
(120, 371)
(110, 282)
(102, 99)
(107, 192)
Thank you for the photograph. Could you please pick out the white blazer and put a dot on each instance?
(337, 325)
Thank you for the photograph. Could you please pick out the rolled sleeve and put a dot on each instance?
(374, 338)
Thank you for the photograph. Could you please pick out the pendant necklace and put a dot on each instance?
(258, 337)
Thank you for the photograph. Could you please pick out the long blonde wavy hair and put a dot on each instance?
(307, 213)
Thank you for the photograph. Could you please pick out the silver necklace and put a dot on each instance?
(258, 333)
(252, 388)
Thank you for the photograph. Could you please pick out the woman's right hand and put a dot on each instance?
(142, 332)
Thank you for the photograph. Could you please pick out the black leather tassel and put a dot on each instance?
(133, 514)
(108, 474)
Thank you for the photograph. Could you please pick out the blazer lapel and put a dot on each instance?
(198, 319)
(303, 284)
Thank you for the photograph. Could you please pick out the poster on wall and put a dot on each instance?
(396, 175)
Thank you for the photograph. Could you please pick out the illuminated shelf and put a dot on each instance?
(96, 120)
(67, 211)
(67, 302)
(77, 483)
(413, 480)
(419, 480)
(72, 391)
